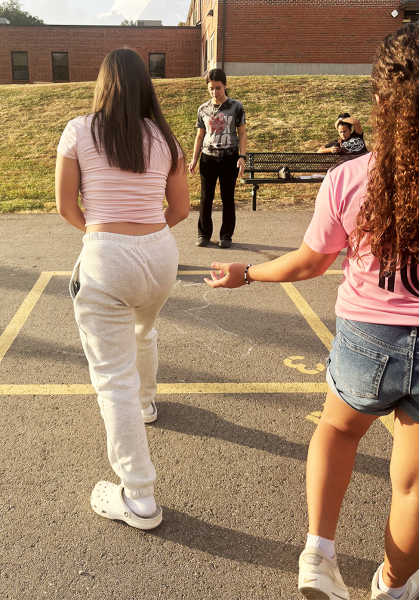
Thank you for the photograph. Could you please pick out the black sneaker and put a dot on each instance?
(202, 241)
(225, 243)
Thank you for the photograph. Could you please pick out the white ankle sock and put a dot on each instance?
(142, 507)
(326, 546)
(148, 411)
(393, 592)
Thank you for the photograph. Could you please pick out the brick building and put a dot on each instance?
(245, 37)
(46, 53)
(293, 37)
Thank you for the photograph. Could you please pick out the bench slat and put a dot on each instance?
(298, 162)
(252, 180)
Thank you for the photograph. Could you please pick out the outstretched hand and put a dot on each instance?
(231, 275)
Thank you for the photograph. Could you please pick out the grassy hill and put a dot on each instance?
(290, 114)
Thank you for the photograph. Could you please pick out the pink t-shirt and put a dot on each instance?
(362, 295)
(108, 194)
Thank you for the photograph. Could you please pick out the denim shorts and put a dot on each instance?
(374, 368)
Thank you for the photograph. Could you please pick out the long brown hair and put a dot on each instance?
(389, 217)
(124, 97)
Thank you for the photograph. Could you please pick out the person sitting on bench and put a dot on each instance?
(351, 138)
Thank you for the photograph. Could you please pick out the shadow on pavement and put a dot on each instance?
(191, 532)
(200, 422)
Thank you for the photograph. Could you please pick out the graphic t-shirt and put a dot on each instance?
(363, 295)
(354, 145)
(220, 124)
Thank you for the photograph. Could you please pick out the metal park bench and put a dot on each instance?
(297, 162)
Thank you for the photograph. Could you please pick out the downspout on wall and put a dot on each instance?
(223, 34)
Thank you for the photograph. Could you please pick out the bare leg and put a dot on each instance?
(402, 533)
(330, 462)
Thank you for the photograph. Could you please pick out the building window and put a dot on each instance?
(20, 66)
(411, 16)
(212, 48)
(157, 65)
(60, 66)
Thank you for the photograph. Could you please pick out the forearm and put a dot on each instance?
(74, 216)
(299, 265)
(242, 143)
(67, 186)
(324, 150)
(198, 145)
(174, 216)
(286, 268)
(350, 120)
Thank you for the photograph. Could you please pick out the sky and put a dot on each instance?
(106, 12)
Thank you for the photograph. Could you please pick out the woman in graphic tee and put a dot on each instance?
(351, 138)
(369, 206)
(222, 138)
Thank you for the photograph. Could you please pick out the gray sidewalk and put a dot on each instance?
(241, 387)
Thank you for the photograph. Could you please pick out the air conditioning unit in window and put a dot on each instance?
(148, 24)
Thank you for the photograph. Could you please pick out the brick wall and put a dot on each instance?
(87, 47)
(305, 31)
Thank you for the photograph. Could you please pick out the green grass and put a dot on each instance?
(289, 114)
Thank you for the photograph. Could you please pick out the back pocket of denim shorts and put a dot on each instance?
(359, 369)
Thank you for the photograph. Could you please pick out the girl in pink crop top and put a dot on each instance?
(370, 206)
(123, 159)
(109, 194)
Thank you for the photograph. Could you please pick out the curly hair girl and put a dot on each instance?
(373, 366)
(389, 218)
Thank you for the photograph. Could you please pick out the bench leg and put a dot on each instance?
(254, 190)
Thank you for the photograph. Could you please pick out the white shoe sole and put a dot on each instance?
(319, 586)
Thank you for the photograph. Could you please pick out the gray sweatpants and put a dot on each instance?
(123, 283)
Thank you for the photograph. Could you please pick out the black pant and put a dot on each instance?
(225, 169)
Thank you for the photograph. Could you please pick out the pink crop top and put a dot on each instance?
(108, 194)
(363, 295)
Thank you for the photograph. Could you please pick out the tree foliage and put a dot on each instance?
(126, 23)
(13, 11)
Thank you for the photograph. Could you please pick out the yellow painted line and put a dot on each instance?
(12, 330)
(172, 388)
(204, 271)
(310, 316)
(60, 273)
(45, 390)
(207, 272)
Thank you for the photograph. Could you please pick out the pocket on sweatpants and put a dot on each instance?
(359, 370)
(75, 280)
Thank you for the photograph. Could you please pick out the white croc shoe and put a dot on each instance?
(107, 501)
(150, 418)
(319, 577)
(411, 592)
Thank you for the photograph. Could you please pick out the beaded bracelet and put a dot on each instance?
(245, 273)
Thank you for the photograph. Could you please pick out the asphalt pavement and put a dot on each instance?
(241, 387)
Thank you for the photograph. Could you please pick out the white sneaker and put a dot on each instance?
(319, 577)
(410, 593)
(150, 417)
